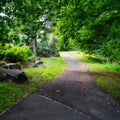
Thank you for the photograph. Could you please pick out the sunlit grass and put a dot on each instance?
(107, 75)
(10, 92)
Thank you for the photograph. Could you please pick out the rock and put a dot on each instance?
(15, 75)
(18, 76)
(32, 65)
(37, 58)
(4, 74)
(35, 62)
(45, 54)
(31, 60)
(39, 62)
(11, 66)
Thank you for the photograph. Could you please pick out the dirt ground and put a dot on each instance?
(75, 87)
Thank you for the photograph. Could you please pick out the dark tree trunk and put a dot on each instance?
(35, 45)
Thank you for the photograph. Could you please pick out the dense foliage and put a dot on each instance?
(92, 26)
(24, 18)
(12, 53)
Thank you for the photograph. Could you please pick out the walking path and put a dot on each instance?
(71, 96)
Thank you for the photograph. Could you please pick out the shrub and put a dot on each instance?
(12, 53)
(2, 62)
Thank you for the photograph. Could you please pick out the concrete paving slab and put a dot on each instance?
(37, 107)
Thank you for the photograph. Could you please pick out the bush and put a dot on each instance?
(2, 62)
(12, 53)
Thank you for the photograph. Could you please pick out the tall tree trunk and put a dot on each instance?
(35, 45)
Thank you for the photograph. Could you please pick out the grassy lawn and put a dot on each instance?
(10, 92)
(107, 76)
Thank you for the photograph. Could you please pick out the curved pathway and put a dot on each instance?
(71, 96)
(75, 88)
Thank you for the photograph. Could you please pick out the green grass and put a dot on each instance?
(107, 76)
(10, 92)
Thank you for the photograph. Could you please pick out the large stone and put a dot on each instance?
(18, 76)
(15, 75)
(38, 62)
(11, 66)
(45, 54)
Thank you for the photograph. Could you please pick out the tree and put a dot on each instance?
(93, 24)
(25, 14)
(90, 24)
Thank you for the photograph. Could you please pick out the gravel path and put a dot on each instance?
(75, 88)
